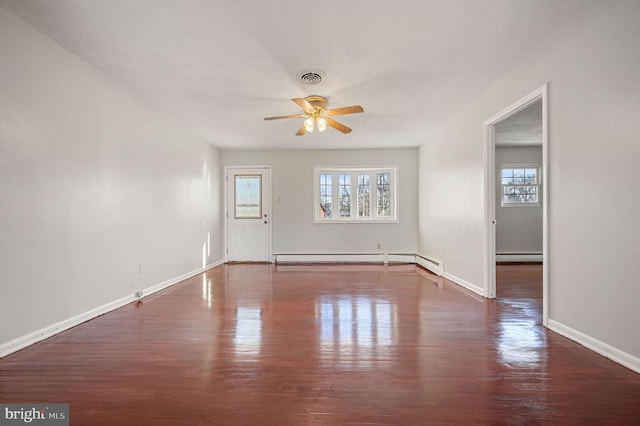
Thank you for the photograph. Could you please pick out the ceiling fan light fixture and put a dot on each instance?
(308, 125)
(322, 124)
(315, 112)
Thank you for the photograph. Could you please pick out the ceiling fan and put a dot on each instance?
(317, 114)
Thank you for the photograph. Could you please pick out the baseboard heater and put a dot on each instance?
(519, 257)
(350, 257)
(431, 264)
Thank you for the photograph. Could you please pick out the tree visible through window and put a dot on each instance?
(355, 194)
(384, 194)
(520, 185)
(364, 195)
(344, 187)
(326, 195)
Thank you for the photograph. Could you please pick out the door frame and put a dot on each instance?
(489, 252)
(266, 188)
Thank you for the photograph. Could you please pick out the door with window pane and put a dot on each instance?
(248, 215)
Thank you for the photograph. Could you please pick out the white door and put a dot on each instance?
(248, 214)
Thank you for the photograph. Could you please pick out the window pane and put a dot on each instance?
(326, 195)
(507, 176)
(531, 195)
(364, 195)
(531, 176)
(509, 194)
(248, 199)
(520, 194)
(345, 195)
(384, 194)
(518, 176)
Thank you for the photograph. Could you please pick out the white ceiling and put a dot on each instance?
(220, 66)
(523, 128)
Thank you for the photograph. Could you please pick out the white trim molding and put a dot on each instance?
(614, 354)
(466, 284)
(51, 330)
(353, 184)
(489, 214)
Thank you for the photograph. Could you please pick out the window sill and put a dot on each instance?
(521, 205)
(359, 221)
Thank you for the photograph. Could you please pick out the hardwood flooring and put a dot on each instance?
(325, 345)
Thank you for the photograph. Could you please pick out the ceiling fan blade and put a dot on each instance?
(279, 117)
(345, 110)
(301, 131)
(338, 126)
(305, 105)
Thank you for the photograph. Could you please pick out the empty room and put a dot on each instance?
(346, 212)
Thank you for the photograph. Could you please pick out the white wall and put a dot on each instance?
(92, 183)
(518, 229)
(594, 104)
(294, 230)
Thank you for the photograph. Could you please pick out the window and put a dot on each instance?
(520, 185)
(355, 194)
(248, 198)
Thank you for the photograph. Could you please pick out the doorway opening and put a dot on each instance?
(517, 182)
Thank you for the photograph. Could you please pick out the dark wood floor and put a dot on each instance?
(330, 345)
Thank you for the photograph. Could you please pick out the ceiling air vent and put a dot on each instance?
(311, 77)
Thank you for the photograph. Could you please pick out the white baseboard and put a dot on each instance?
(51, 330)
(214, 264)
(466, 284)
(519, 257)
(623, 358)
(46, 332)
(161, 286)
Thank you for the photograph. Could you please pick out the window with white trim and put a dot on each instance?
(520, 185)
(355, 194)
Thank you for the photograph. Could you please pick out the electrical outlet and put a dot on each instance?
(139, 294)
(379, 246)
(141, 268)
